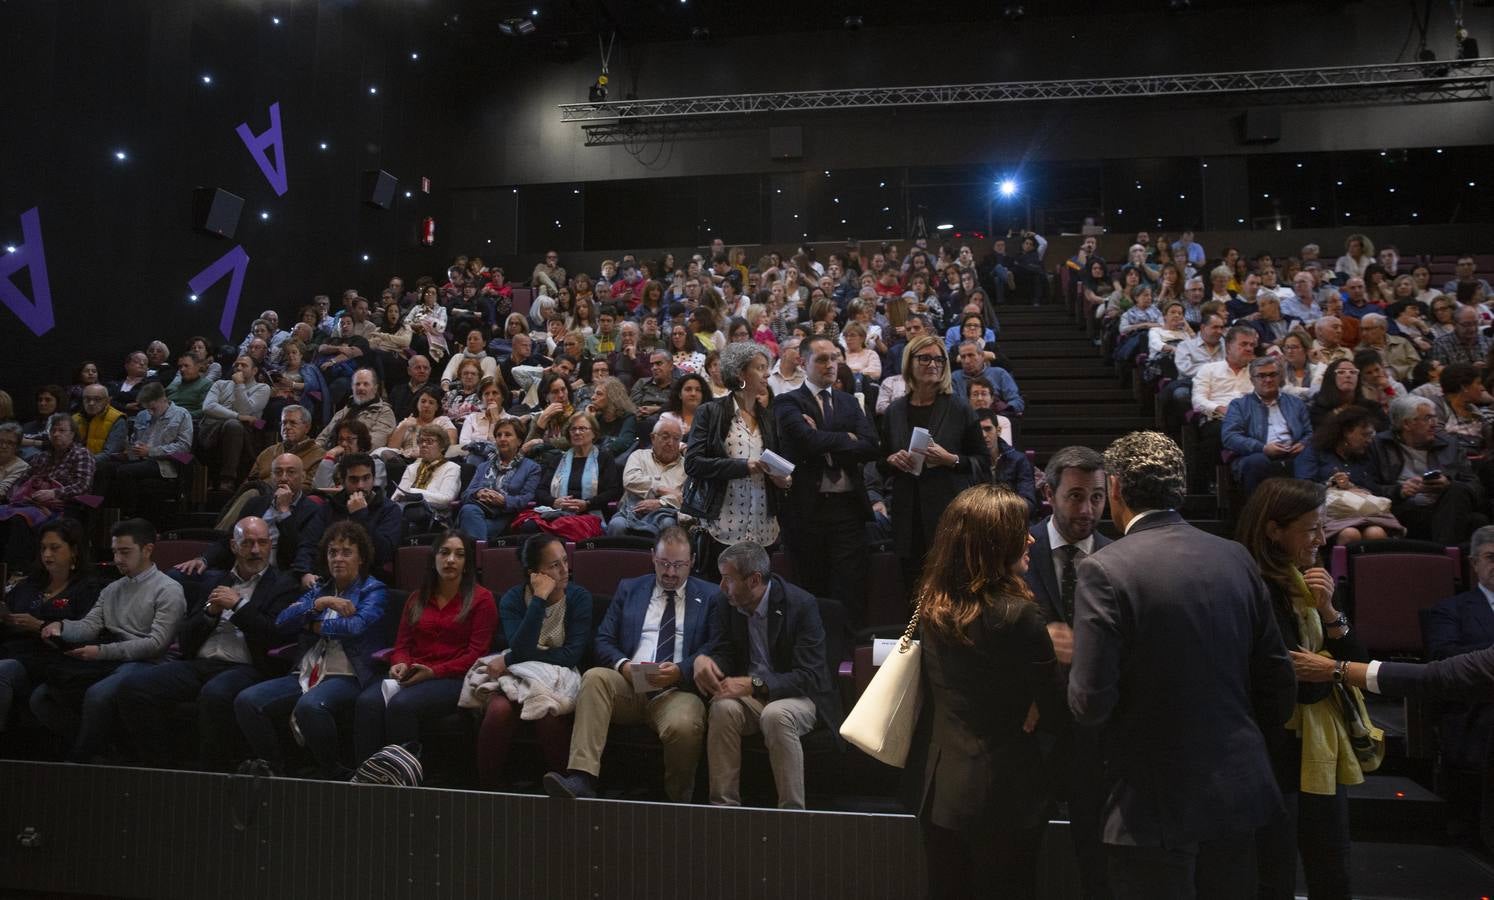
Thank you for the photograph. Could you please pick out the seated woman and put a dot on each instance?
(124, 394)
(685, 398)
(579, 487)
(12, 467)
(446, 626)
(1300, 376)
(86, 374)
(430, 484)
(336, 626)
(463, 399)
(502, 345)
(1340, 391)
(1376, 386)
(545, 620)
(352, 437)
(862, 359)
(400, 450)
(712, 372)
(60, 586)
(617, 417)
(501, 488)
(688, 355)
(822, 318)
(50, 400)
(63, 472)
(1339, 458)
(478, 426)
(547, 429)
(1463, 408)
(390, 342)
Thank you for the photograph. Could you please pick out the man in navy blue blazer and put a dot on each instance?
(1265, 430)
(1076, 489)
(1459, 624)
(665, 618)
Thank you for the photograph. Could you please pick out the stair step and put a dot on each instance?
(1100, 391)
(1065, 348)
(1048, 414)
(1084, 366)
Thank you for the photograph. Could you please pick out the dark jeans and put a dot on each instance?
(148, 697)
(90, 726)
(1448, 521)
(1222, 869)
(1209, 449)
(1317, 827)
(377, 724)
(1004, 864)
(1251, 470)
(315, 713)
(829, 551)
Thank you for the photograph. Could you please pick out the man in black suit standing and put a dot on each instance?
(828, 438)
(1176, 663)
(1076, 490)
(225, 645)
(765, 672)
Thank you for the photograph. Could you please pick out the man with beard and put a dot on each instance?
(366, 406)
(360, 502)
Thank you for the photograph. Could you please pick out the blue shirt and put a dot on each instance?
(760, 662)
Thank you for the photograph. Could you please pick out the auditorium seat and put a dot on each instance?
(599, 570)
(1388, 587)
(886, 603)
(168, 553)
(410, 565)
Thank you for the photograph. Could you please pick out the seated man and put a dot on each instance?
(973, 365)
(1009, 466)
(1459, 624)
(100, 426)
(664, 618)
(1329, 346)
(762, 677)
(292, 516)
(232, 408)
(162, 432)
(1397, 354)
(402, 396)
(1270, 323)
(1432, 488)
(365, 406)
(190, 386)
(130, 627)
(358, 501)
(295, 438)
(653, 483)
(1215, 386)
(651, 394)
(1265, 430)
(225, 644)
(500, 488)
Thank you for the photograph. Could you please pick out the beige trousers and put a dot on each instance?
(677, 717)
(782, 723)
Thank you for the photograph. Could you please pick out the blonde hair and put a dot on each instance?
(917, 345)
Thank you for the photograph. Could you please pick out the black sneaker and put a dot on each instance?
(573, 786)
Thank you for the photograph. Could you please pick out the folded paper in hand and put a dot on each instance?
(641, 672)
(918, 447)
(776, 464)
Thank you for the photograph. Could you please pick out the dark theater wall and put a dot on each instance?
(87, 80)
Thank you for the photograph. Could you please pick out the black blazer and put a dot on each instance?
(305, 521)
(796, 643)
(1459, 624)
(983, 771)
(1467, 675)
(1177, 662)
(806, 447)
(256, 619)
(705, 450)
(1040, 577)
(953, 426)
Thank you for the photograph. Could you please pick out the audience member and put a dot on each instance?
(295, 439)
(1216, 385)
(362, 504)
(653, 483)
(502, 486)
(59, 475)
(1467, 344)
(232, 407)
(1266, 429)
(366, 406)
(576, 488)
(1432, 488)
(430, 485)
(1339, 459)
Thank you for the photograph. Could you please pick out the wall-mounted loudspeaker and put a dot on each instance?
(216, 211)
(378, 188)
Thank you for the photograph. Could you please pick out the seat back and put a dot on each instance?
(410, 565)
(394, 607)
(168, 553)
(599, 570)
(498, 567)
(886, 604)
(1389, 591)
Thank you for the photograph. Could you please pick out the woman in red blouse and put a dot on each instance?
(445, 627)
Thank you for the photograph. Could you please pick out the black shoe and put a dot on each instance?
(573, 786)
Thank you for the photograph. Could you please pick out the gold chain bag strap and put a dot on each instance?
(882, 721)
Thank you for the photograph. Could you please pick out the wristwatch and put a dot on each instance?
(1341, 622)
(758, 687)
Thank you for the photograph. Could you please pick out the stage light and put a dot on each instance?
(373, 89)
(414, 55)
(207, 79)
(1013, 12)
(264, 216)
(516, 26)
(365, 257)
(274, 20)
(10, 248)
(191, 298)
(945, 227)
(1008, 188)
(323, 145)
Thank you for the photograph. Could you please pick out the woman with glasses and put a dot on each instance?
(575, 496)
(545, 619)
(949, 456)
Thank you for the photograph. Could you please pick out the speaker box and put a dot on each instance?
(378, 188)
(786, 142)
(1260, 126)
(216, 211)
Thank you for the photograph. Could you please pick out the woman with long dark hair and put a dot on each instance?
(987, 663)
(445, 627)
(1339, 458)
(1281, 526)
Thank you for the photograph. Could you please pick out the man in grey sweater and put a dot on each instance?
(130, 627)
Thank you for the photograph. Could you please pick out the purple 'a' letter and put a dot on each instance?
(259, 144)
(36, 315)
(235, 261)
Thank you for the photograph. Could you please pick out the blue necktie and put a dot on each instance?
(665, 653)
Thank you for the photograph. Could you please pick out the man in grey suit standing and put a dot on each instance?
(1176, 658)
(1076, 490)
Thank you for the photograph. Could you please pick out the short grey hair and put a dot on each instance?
(11, 428)
(59, 418)
(1372, 319)
(660, 352)
(1481, 538)
(747, 558)
(737, 357)
(669, 418)
(298, 410)
(1149, 467)
(628, 325)
(1261, 362)
(1405, 407)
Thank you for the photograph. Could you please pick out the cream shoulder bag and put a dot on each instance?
(882, 721)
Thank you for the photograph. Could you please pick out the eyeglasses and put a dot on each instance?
(932, 362)
(672, 565)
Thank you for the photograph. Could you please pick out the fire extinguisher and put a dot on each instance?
(428, 231)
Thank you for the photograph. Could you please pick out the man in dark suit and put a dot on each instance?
(828, 438)
(293, 515)
(1075, 487)
(765, 672)
(1176, 663)
(225, 644)
(665, 618)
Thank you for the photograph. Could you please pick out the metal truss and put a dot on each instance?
(1447, 80)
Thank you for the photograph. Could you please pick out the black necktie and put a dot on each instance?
(665, 653)
(827, 410)
(1068, 553)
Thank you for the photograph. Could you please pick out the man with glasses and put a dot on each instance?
(653, 483)
(663, 619)
(651, 394)
(1432, 488)
(548, 273)
(1467, 344)
(102, 427)
(1266, 430)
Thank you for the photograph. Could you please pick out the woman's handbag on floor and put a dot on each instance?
(881, 723)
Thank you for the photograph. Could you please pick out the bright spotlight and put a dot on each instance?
(945, 227)
(1008, 188)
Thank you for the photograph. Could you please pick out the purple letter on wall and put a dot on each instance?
(235, 261)
(258, 144)
(36, 315)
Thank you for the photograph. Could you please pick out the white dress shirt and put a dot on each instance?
(1055, 540)
(648, 643)
(1216, 384)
